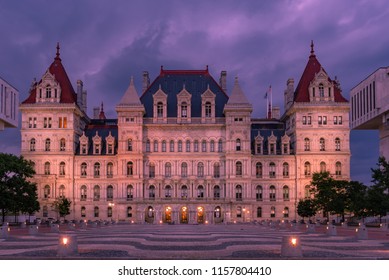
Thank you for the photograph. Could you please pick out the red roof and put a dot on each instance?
(313, 67)
(68, 94)
(183, 72)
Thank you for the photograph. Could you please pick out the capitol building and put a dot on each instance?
(181, 149)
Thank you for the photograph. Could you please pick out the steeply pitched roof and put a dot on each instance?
(237, 96)
(196, 82)
(313, 67)
(68, 94)
(130, 97)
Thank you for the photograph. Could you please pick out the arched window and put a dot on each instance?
(259, 193)
(272, 212)
(216, 193)
(47, 145)
(337, 144)
(83, 169)
(171, 146)
(32, 145)
(62, 144)
(237, 145)
(200, 192)
(47, 168)
(184, 110)
(238, 168)
(129, 212)
(109, 193)
(196, 146)
(217, 212)
(238, 193)
(152, 192)
(286, 212)
(307, 168)
(285, 170)
(184, 192)
(307, 192)
(168, 170)
(258, 170)
(220, 146)
(109, 212)
(307, 144)
(259, 212)
(155, 145)
(285, 193)
(164, 146)
(147, 145)
(96, 212)
(96, 193)
(129, 145)
(208, 109)
(323, 167)
(272, 193)
(96, 168)
(130, 168)
(179, 148)
(46, 192)
(152, 170)
(83, 212)
(212, 146)
(187, 145)
(322, 144)
(216, 170)
(109, 170)
(83, 193)
(168, 191)
(130, 192)
(159, 109)
(184, 170)
(204, 146)
(272, 170)
(338, 168)
(321, 90)
(200, 169)
(61, 191)
(62, 169)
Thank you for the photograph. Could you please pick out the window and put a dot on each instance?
(83, 149)
(152, 192)
(258, 148)
(258, 170)
(171, 146)
(155, 146)
(196, 146)
(272, 212)
(272, 193)
(238, 193)
(200, 192)
(259, 193)
(184, 170)
(285, 148)
(184, 110)
(239, 212)
(46, 122)
(184, 192)
(220, 146)
(200, 169)
(96, 193)
(168, 170)
(109, 193)
(322, 144)
(47, 168)
(62, 144)
(62, 122)
(83, 169)
(216, 170)
(307, 144)
(159, 109)
(129, 212)
(237, 145)
(97, 148)
(61, 191)
(129, 145)
(212, 146)
(285, 193)
(307, 169)
(96, 212)
(109, 170)
(130, 192)
(96, 170)
(272, 170)
(285, 170)
(272, 149)
(208, 110)
(259, 212)
(238, 168)
(286, 212)
(337, 144)
(179, 148)
(309, 120)
(62, 169)
(164, 146)
(83, 194)
(187, 145)
(307, 192)
(110, 148)
(203, 146)
(340, 120)
(152, 170)
(46, 192)
(32, 145)
(109, 212)
(130, 168)
(338, 168)
(304, 120)
(83, 212)
(47, 145)
(321, 90)
(147, 145)
(216, 193)
(324, 120)
(168, 191)
(335, 120)
(323, 167)
(48, 91)
(320, 120)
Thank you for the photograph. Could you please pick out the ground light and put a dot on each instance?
(361, 233)
(291, 247)
(67, 244)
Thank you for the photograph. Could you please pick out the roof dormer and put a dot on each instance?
(184, 105)
(321, 88)
(110, 140)
(160, 106)
(208, 106)
(48, 90)
(97, 144)
(84, 145)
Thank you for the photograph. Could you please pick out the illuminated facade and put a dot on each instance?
(183, 151)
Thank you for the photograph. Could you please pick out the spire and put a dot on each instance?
(102, 115)
(237, 96)
(312, 50)
(57, 54)
(130, 97)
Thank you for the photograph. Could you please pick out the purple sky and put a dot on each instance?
(104, 43)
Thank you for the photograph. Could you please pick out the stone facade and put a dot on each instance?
(9, 100)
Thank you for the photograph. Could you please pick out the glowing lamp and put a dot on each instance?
(291, 247)
(67, 245)
(293, 241)
(65, 241)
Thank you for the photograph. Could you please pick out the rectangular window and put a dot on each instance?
(304, 120)
(44, 122)
(309, 120)
(335, 120)
(30, 124)
(340, 120)
(324, 120)
(60, 122)
(320, 120)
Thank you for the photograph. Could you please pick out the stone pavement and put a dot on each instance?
(233, 241)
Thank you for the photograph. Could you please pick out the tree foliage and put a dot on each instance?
(306, 208)
(17, 193)
(62, 206)
(378, 193)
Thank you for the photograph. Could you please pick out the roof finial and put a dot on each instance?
(102, 115)
(57, 54)
(312, 45)
(236, 80)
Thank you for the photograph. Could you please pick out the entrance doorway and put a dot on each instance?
(168, 214)
(200, 215)
(184, 215)
(149, 217)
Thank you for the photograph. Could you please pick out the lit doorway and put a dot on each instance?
(149, 217)
(217, 215)
(184, 215)
(200, 215)
(168, 214)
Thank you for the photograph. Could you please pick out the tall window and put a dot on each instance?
(171, 146)
(47, 168)
(258, 170)
(239, 212)
(285, 193)
(322, 144)
(200, 169)
(155, 146)
(238, 168)
(47, 145)
(152, 192)
(200, 192)
(179, 148)
(152, 170)
(46, 191)
(203, 146)
(109, 170)
(196, 146)
(109, 193)
(109, 212)
(272, 170)
(216, 170)
(307, 192)
(220, 146)
(168, 191)
(237, 145)
(96, 212)
(337, 144)
(32, 145)
(62, 144)
(83, 212)
(83, 169)
(238, 192)
(259, 212)
(208, 110)
(96, 170)
(163, 146)
(96, 193)
(184, 110)
(62, 169)
(129, 145)
(168, 170)
(184, 192)
(323, 167)
(130, 168)
(83, 193)
(321, 90)
(61, 191)
(216, 192)
(212, 146)
(129, 212)
(159, 109)
(184, 170)
(272, 193)
(187, 145)
(147, 145)
(307, 144)
(338, 168)
(259, 193)
(286, 212)
(130, 192)
(48, 91)
(307, 168)
(272, 212)
(285, 170)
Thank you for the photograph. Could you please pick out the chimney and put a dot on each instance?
(146, 81)
(276, 112)
(84, 98)
(96, 112)
(223, 81)
(79, 93)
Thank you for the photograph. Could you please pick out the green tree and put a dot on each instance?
(378, 193)
(62, 206)
(15, 188)
(356, 199)
(306, 208)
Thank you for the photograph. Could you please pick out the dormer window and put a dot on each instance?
(48, 91)
(285, 144)
(184, 106)
(160, 106)
(208, 106)
(184, 110)
(208, 110)
(321, 90)
(110, 140)
(97, 144)
(159, 109)
(258, 145)
(83, 144)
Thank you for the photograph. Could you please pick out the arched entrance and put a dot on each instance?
(184, 215)
(200, 215)
(149, 215)
(168, 214)
(217, 215)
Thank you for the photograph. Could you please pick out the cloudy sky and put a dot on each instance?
(264, 43)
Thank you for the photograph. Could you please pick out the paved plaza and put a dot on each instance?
(232, 241)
